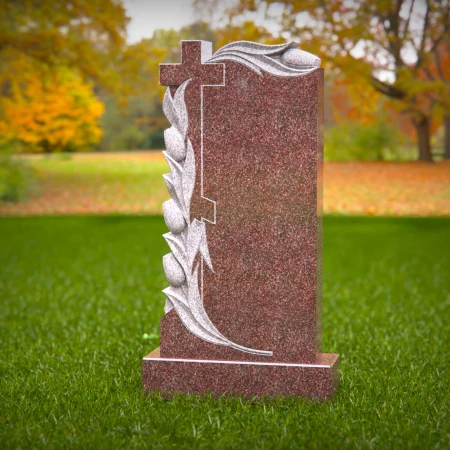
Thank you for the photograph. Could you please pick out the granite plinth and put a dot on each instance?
(248, 379)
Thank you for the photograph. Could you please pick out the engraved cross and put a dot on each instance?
(194, 55)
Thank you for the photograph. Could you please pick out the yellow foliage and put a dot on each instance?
(50, 112)
(85, 35)
(248, 31)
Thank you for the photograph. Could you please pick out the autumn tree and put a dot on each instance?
(141, 121)
(386, 42)
(49, 110)
(143, 116)
(436, 76)
(169, 40)
(87, 36)
(247, 31)
(41, 41)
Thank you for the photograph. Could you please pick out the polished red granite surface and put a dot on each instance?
(247, 379)
(262, 166)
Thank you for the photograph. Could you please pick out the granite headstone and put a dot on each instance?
(243, 306)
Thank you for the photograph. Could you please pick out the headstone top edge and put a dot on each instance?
(283, 60)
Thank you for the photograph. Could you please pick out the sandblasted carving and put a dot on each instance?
(284, 60)
(173, 217)
(186, 239)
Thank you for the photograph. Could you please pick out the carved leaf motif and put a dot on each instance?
(175, 108)
(188, 181)
(299, 58)
(198, 311)
(177, 181)
(169, 109)
(265, 57)
(168, 306)
(176, 295)
(204, 250)
(252, 48)
(196, 241)
(189, 321)
(181, 109)
(261, 62)
(171, 188)
(178, 248)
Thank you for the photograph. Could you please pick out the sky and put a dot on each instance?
(149, 15)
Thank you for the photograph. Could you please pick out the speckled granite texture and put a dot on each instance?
(262, 165)
(248, 379)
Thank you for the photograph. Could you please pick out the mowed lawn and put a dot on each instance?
(78, 294)
(132, 183)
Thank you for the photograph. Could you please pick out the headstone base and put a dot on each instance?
(248, 379)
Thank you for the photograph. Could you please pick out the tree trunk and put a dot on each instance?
(423, 138)
(447, 137)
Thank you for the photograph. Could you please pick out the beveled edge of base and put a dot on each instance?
(217, 377)
(325, 361)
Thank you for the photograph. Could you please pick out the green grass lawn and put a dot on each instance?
(78, 294)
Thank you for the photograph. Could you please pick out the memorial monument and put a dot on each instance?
(245, 151)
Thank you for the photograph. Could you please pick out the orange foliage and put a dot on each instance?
(435, 79)
(85, 35)
(50, 112)
(353, 100)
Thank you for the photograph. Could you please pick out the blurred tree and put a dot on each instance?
(50, 52)
(49, 111)
(374, 141)
(85, 35)
(248, 31)
(384, 42)
(352, 101)
(84, 38)
(436, 75)
(169, 40)
(133, 127)
(140, 123)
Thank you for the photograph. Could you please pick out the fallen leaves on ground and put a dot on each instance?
(386, 188)
(131, 183)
